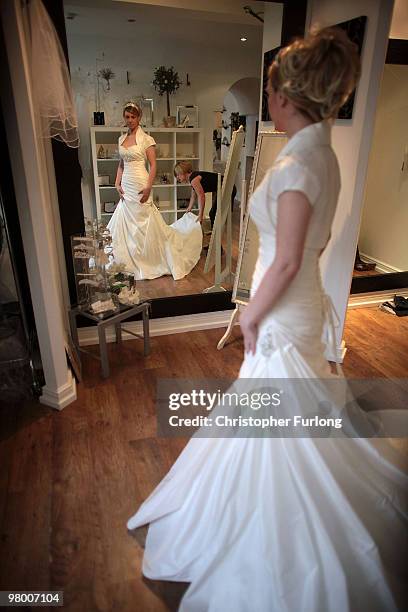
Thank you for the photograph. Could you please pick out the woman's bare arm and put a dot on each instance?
(192, 200)
(198, 188)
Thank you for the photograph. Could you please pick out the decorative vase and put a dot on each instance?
(170, 121)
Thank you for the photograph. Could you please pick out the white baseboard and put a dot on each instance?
(380, 266)
(161, 327)
(374, 299)
(61, 397)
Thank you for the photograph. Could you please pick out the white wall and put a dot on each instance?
(383, 233)
(212, 68)
(352, 141)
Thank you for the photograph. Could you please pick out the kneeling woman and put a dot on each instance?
(142, 240)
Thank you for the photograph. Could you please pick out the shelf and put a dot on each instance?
(173, 145)
(177, 130)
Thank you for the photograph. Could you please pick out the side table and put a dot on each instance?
(115, 318)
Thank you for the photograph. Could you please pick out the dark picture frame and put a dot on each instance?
(355, 30)
(269, 56)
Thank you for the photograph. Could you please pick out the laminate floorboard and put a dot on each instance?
(69, 480)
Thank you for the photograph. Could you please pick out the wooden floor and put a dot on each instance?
(70, 480)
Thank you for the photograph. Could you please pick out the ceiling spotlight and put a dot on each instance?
(243, 39)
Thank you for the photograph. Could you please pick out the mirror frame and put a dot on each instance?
(68, 178)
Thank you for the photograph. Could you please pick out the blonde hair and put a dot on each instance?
(132, 107)
(317, 73)
(183, 167)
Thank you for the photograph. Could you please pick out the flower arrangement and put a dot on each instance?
(166, 81)
(122, 285)
(107, 74)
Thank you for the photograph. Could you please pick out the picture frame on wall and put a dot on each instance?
(355, 30)
(187, 116)
(269, 56)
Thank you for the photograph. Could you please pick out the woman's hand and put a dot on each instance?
(249, 328)
(145, 194)
(120, 190)
(199, 219)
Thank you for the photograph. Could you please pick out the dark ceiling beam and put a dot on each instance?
(293, 20)
(397, 52)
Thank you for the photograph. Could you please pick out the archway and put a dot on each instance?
(243, 97)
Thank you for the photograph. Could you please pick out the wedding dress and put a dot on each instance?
(266, 524)
(141, 238)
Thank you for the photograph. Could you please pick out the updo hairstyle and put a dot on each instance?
(317, 73)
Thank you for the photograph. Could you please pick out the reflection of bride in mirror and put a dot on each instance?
(141, 238)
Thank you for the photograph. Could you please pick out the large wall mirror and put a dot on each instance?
(115, 49)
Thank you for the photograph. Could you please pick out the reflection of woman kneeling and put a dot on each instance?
(141, 238)
(202, 182)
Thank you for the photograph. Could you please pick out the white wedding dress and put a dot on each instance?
(263, 524)
(141, 238)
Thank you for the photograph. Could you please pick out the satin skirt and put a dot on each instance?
(282, 524)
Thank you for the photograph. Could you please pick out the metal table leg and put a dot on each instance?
(118, 329)
(103, 351)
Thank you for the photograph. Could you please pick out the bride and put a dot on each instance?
(280, 524)
(141, 238)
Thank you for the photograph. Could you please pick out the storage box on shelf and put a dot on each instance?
(172, 145)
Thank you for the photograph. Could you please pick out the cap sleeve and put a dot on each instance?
(148, 141)
(290, 174)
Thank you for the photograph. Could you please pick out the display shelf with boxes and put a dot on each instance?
(172, 145)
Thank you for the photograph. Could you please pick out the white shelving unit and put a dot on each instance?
(172, 145)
